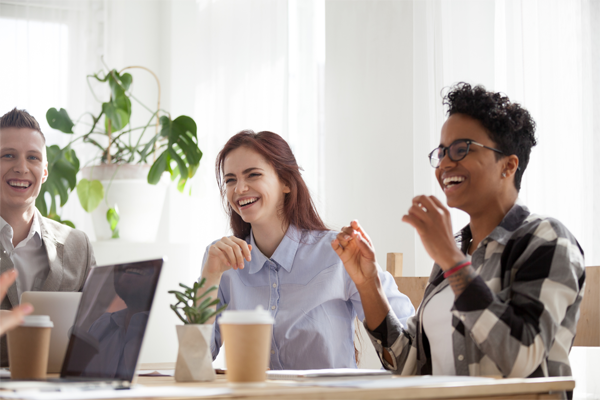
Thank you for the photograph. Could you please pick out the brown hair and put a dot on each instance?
(298, 207)
(20, 119)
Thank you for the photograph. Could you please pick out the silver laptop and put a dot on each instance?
(109, 328)
(61, 307)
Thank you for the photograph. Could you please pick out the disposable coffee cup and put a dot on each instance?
(247, 338)
(28, 347)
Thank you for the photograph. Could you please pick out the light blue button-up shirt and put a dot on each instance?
(311, 297)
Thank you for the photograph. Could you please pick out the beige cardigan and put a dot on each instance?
(70, 256)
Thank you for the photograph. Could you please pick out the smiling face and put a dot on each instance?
(23, 169)
(254, 190)
(473, 182)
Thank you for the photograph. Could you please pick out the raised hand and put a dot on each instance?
(432, 221)
(229, 252)
(355, 249)
(14, 317)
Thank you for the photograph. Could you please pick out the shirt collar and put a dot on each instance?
(3, 224)
(35, 228)
(512, 220)
(284, 254)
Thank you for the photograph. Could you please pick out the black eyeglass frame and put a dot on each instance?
(445, 150)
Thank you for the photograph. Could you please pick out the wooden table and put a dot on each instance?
(518, 388)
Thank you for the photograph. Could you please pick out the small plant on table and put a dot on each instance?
(190, 308)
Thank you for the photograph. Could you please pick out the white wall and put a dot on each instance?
(369, 121)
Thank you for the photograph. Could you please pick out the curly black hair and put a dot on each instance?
(508, 124)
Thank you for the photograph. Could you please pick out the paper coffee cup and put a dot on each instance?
(247, 338)
(28, 347)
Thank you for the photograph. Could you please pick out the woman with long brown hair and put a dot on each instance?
(280, 257)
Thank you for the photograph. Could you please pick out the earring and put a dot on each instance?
(504, 174)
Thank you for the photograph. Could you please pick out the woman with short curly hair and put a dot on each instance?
(505, 300)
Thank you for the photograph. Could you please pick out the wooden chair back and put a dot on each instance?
(588, 326)
(412, 286)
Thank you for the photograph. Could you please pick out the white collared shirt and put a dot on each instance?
(28, 257)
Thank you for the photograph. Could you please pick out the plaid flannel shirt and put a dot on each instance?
(517, 318)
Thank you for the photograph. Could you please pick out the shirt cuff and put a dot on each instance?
(388, 330)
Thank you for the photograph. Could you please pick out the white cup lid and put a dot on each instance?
(37, 321)
(256, 316)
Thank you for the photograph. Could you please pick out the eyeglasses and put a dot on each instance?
(456, 151)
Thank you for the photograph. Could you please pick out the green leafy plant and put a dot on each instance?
(172, 147)
(63, 166)
(190, 308)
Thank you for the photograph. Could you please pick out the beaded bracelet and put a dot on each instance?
(456, 269)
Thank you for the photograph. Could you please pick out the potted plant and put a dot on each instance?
(128, 159)
(194, 357)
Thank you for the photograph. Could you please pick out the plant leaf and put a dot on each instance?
(90, 194)
(117, 116)
(204, 304)
(112, 216)
(207, 292)
(119, 83)
(205, 315)
(181, 184)
(181, 148)
(196, 314)
(178, 315)
(157, 169)
(218, 311)
(59, 120)
(123, 103)
(177, 293)
(63, 166)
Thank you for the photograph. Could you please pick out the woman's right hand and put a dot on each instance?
(229, 252)
(356, 251)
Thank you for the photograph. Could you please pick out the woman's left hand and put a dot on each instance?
(432, 221)
(355, 249)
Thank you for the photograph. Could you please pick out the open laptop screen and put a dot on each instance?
(111, 320)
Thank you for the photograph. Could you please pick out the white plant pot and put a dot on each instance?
(194, 358)
(140, 204)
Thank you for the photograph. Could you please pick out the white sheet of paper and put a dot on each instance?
(136, 392)
(325, 373)
(399, 382)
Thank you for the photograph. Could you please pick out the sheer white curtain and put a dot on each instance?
(542, 54)
(48, 47)
(254, 65)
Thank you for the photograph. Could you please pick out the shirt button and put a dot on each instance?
(272, 352)
(274, 285)
(460, 357)
(272, 308)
